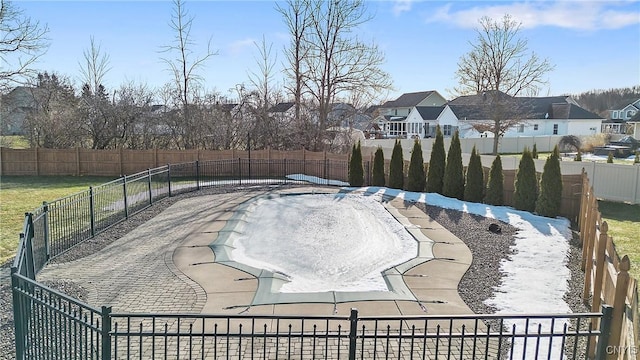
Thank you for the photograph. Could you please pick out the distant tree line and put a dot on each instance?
(324, 65)
(599, 101)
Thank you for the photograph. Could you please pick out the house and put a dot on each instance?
(633, 126)
(393, 114)
(283, 112)
(533, 116)
(619, 119)
(14, 108)
(341, 115)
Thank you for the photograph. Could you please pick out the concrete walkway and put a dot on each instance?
(166, 265)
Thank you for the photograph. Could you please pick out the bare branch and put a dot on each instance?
(500, 66)
(22, 41)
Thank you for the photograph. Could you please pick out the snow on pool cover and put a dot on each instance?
(322, 248)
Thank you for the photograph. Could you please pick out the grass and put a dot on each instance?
(624, 227)
(570, 157)
(20, 194)
(14, 141)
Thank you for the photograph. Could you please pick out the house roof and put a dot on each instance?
(372, 127)
(478, 107)
(227, 107)
(371, 109)
(281, 107)
(479, 99)
(408, 99)
(429, 112)
(394, 118)
(471, 112)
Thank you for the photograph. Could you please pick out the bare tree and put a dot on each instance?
(335, 62)
(22, 41)
(501, 67)
(95, 67)
(185, 66)
(138, 125)
(265, 129)
(295, 16)
(96, 109)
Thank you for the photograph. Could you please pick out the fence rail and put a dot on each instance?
(49, 324)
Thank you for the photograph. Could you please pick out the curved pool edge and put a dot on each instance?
(269, 283)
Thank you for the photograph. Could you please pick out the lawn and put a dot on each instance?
(14, 141)
(20, 194)
(624, 227)
(586, 157)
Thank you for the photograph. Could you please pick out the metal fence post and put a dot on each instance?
(91, 212)
(17, 316)
(149, 186)
(353, 330)
(169, 178)
(106, 333)
(240, 171)
(198, 174)
(602, 348)
(45, 218)
(124, 188)
(324, 170)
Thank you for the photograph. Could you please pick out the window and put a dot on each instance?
(535, 127)
(614, 114)
(521, 128)
(630, 114)
(446, 130)
(555, 129)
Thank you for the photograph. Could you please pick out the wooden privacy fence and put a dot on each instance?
(79, 162)
(116, 163)
(606, 278)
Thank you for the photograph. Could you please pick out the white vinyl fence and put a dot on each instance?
(613, 182)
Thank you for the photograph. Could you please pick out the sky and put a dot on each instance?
(593, 44)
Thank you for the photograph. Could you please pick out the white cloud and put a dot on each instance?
(400, 6)
(239, 46)
(579, 15)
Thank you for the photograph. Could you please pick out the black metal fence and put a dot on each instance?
(51, 325)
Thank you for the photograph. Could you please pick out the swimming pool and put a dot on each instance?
(310, 247)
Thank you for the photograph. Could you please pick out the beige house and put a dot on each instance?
(393, 115)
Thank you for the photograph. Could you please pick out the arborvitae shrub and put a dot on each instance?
(396, 171)
(474, 186)
(526, 193)
(534, 151)
(636, 160)
(378, 168)
(416, 179)
(437, 160)
(578, 156)
(610, 157)
(549, 201)
(356, 172)
(495, 185)
(453, 181)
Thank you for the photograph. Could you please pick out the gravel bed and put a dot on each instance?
(488, 250)
(476, 286)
